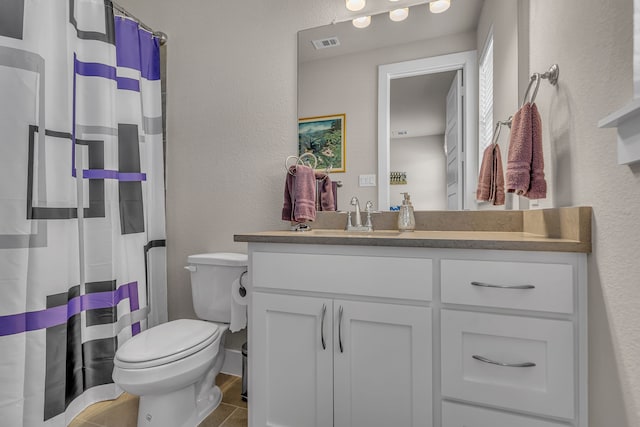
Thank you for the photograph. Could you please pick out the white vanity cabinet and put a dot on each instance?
(368, 336)
(344, 357)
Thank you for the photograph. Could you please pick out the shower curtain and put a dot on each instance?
(82, 229)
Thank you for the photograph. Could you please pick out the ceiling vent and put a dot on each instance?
(325, 43)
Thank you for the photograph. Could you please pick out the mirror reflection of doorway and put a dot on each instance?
(460, 177)
(425, 124)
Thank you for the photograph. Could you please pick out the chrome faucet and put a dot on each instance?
(358, 220)
(369, 209)
(356, 203)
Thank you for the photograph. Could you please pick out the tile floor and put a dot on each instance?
(123, 411)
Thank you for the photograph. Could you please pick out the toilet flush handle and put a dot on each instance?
(191, 268)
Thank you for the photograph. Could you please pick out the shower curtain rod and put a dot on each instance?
(162, 37)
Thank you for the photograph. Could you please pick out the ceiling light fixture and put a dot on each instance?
(398, 15)
(439, 6)
(355, 5)
(361, 22)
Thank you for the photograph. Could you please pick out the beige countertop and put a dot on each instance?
(557, 230)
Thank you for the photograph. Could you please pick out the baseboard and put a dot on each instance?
(232, 362)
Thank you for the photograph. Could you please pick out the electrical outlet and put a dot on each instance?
(367, 180)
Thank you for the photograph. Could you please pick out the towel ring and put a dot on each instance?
(496, 133)
(313, 157)
(299, 161)
(552, 75)
(498, 129)
(535, 77)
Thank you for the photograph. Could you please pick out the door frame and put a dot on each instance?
(453, 119)
(467, 62)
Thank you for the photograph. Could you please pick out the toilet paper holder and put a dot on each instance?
(242, 291)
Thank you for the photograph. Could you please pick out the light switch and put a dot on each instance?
(367, 180)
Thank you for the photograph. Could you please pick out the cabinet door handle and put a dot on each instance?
(508, 365)
(491, 285)
(340, 329)
(324, 312)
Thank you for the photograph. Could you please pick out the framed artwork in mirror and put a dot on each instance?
(324, 137)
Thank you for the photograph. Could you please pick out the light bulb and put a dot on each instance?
(439, 6)
(399, 14)
(361, 22)
(355, 5)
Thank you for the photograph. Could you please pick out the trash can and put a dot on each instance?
(243, 393)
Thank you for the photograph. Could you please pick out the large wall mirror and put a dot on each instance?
(346, 70)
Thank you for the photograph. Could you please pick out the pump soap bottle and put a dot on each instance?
(406, 219)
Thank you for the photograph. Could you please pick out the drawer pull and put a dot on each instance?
(491, 285)
(324, 312)
(508, 365)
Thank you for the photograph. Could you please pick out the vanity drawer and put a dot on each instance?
(375, 276)
(455, 415)
(519, 285)
(544, 387)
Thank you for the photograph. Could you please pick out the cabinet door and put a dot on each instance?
(290, 373)
(382, 365)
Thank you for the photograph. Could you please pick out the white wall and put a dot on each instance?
(591, 40)
(232, 121)
(424, 161)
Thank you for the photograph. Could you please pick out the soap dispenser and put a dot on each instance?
(406, 219)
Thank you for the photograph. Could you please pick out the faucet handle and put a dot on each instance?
(369, 206)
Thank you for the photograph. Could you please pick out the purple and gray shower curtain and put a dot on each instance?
(82, 228)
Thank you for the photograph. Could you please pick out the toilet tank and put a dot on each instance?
(211, 278)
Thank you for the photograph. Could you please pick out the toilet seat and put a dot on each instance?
(166, 343)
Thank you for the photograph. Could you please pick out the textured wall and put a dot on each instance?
(232, 121)
(591, 41)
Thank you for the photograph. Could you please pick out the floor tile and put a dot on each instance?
(239, 418)
(217, 417)
(95, 409)
(231, 394)
(78, 422)
(224, 380)
(123, 412)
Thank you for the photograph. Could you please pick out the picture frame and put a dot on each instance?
(324, 137)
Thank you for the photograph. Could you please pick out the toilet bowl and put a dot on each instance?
(167, 366)
(172, 366)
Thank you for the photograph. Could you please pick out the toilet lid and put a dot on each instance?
(229, 259)
(166, 343)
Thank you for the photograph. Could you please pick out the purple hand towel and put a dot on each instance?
(538, 185)
(520, 152)
(325, 190)
(491, 179)
(299, 195)
(334, 191)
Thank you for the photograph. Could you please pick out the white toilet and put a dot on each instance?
(172, 366)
